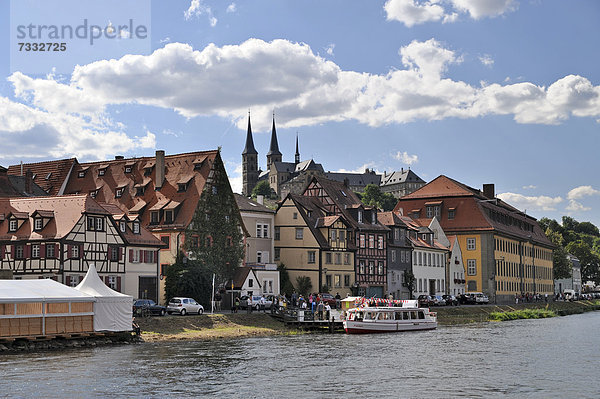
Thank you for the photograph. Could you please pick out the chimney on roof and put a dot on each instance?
(402, 170)
(488, 191)
(21, 168)
(119, 157)
(346, 182)
(29, 182)
(260, 199)
(160, 169)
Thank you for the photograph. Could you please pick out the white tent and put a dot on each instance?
(112, 310)
(42, 290)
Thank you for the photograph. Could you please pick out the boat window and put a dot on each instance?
(398, 315)
(405, 315)
(421, 315)
(369, 316)
(380, 316)
(413, 315)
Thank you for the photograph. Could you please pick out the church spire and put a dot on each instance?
(274, 148)
(249, 149)
(297, 156)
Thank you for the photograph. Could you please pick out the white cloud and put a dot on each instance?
(575, 206)
(530, 187)
(486, 60)
(235, 178)
(231, 8)
(305, 88)
(541, 203)
(405, 158)
(329, 49)
(478, 9)
(360, 169)
(165, 40)
(414, 12)
(581, 192)
(198, 8)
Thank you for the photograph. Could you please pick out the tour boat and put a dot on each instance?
(380, 319)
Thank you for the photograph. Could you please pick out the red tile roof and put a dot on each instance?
(67, 209)
(145, 238)
(49, 175)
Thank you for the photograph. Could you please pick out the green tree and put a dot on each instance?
(590, 261)
(569, 223)
(409, 282)
(188, 280)
(263, 188)
(587, 228)
(303, 285)
(284, 280)
(213, 241)
(373, 196)
(561, 264)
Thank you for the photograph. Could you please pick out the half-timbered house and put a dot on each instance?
(59, 237)
(369, 236)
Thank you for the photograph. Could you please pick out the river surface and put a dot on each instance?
(551, 358)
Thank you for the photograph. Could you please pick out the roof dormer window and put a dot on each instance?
(136, 227)
(48, 176)
(123, 226)
(360, 216)
(81, 174)
(38, 224)
(128, 169)
(94, 193)
(13, 225)
(373, 216)
(119, 192)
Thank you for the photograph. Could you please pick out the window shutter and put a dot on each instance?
(57, 251)
(119, 283)
(145, 256)
(80, 251)
(80, 278)
(1, 251)
(121, 252)
(27, 251)
(12, 251)
(68, 281)
(69, 251)
(131, 255)
(106, 280)
(42, 250)
(108, 253)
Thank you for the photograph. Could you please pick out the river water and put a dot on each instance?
(551, 358)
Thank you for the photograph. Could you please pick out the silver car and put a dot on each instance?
(184, 306)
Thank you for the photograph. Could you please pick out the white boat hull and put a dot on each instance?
(378, 326)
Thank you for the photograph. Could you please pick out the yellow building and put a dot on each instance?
(314, 245)
(505, 252)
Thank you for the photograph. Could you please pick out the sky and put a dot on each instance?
(483, 91)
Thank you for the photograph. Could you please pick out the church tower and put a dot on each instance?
(273, 155)
(249, 163)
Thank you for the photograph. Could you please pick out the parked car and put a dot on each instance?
(148, 306)
(480, 298)
(451, 300)
(253, 301)
(330, 299)
(184, 306)
(438, 300)
(466, 299)
(425, 301)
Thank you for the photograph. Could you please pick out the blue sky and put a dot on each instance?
(494, 91)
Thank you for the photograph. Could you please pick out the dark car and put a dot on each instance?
(425, 301)
(451, 300)
(148, 306)
(466, 299)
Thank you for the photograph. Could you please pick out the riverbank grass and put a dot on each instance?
(522, 314)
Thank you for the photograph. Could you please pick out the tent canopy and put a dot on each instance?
(113, 311)
(42, 290)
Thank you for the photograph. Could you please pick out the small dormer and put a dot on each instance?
(120, 190)
(184, 183)
(102, 169)
(134, 224)
(81, 172)
(41, 219)
(198, 162)
(148, 167)
(373, 216)
(129, 167)
(140, 188)
(94, 192)
(360, 216)
(15, 220)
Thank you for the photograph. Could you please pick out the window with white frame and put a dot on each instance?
(136, 228)
(346, 259)
(299, 233)
(38, 224)
(122, 226)
(393, 255)
(379, 242)
(35, 250)
(338, 259)
(471, 267)
(337, 280)
(75, 251)
(262, 230)
(311, 256)
(112, 282)
(328, 258)
(259, 257)
(50, 253)
(471, 244)
(100, 224)
(360, 217)
(13, 224)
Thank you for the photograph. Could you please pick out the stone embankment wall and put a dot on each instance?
(25, 345)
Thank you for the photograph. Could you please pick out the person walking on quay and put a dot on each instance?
(327, 311)
(236, 305)
(320, 308)
(294, 298)
(338, 300)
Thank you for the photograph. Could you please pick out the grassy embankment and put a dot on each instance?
(178, 328)
(207, 326)
(476, 314)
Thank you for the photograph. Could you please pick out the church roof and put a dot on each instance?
(274, 149)
(249, 148)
